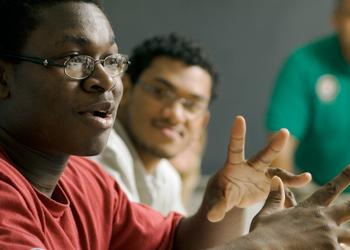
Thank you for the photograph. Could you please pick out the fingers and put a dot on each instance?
(327, 193)
(290, 199)
(289, 179)
(276, 199)
(235, 154)
(344, 246)
(344, 237)
(217, 212)
(265, 157)
(340, 213)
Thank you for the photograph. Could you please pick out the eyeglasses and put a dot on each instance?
(193, 107)
(80, 66)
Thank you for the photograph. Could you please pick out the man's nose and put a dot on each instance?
(175, 112)
(100, 80)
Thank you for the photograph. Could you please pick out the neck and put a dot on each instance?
(41, 169)
(149, 161)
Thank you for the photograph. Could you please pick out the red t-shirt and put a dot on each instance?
(88, 210)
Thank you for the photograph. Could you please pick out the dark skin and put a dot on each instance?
(40, 138)
(49, 117)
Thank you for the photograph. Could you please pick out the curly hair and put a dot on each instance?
(174, 46)
(18, 18)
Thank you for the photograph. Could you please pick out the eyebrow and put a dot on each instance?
(79, 40)
(172, 87)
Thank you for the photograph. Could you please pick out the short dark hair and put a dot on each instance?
(174, 46)
(18, 18)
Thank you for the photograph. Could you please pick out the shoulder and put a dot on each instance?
(11, 178)
(321, 48)
(168, 173)
(83, 167)
(85, 177)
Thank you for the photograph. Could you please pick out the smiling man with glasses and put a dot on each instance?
(168, 88)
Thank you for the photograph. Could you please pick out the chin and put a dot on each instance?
(163, 152)
(93, 149)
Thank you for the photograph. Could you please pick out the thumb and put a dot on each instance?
(217, 212)
(275, 200)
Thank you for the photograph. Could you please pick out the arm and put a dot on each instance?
(19, 227)
(196, 232)
(285, 159)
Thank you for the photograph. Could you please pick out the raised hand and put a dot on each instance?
(244, 182)
(312, 224)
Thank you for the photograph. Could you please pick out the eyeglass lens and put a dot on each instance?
(168, 96)
(81, 66)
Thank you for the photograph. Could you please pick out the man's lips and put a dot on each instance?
(100, 115)
(98, 122)
(169, 131)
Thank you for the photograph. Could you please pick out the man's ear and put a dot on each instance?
(127, 86)
(4, 80)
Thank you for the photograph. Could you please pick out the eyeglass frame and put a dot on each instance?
(50, 62)
(150, 88)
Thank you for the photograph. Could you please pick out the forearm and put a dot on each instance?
(197, 232)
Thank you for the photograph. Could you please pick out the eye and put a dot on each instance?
(161, 92)
(116, 64)
(79, 66)
(191, 105)
(194, 105)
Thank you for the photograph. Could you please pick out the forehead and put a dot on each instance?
(73, 23)
(191, 79)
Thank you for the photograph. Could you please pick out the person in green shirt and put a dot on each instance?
(311, 99)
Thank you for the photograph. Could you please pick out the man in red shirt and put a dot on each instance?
(60, 88)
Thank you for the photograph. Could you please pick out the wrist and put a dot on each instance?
(253, 241)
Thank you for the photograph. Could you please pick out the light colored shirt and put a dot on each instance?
(160, 190)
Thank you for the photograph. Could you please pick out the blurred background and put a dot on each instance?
(247, 40)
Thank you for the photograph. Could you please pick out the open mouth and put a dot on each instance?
(98, 113)
(102, 114)
(98, 118)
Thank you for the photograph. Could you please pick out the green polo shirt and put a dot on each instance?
(312, 99)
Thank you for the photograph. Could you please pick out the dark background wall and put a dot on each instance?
(248, 41)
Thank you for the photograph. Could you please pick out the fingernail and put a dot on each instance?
(309, 175)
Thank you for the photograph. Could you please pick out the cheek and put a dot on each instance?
(118, 91)
(143, 110)
(195, 129)
(345, 30)
(44, 102)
